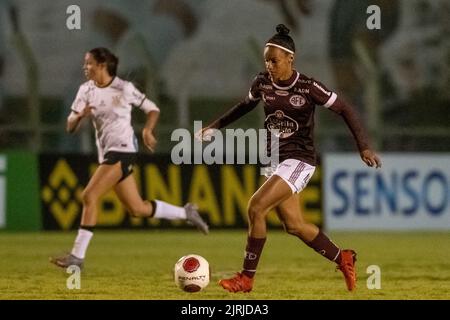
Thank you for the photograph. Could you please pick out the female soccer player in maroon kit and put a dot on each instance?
(289, 102)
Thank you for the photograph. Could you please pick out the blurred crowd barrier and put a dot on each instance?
(189, 58)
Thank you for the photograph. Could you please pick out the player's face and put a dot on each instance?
(278, 63)
(92, 69)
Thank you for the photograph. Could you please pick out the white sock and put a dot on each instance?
(81, 243)
(165, 210)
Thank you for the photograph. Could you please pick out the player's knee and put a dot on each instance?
(293, 229)
(255, 210)
(88, 198)
(300, 232)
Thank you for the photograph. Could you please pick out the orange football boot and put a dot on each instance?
(347, 266)
(240, 282)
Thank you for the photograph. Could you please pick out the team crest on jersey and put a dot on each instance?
(281, 93)
(297, 101)
(116, 100)
(285, 125)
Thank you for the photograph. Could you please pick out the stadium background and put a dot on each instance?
(196, 59)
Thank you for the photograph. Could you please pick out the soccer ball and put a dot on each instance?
(191, 273)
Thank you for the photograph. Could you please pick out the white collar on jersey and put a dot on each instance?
(289, 86)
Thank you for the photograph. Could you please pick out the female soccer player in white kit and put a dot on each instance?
(108, 101)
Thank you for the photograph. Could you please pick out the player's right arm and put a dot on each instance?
(74, 119)
(80, 109)
(237, 111)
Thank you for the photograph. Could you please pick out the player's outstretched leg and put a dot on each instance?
(347, 266)
(239, 283)
(67, 260)
(194, 218)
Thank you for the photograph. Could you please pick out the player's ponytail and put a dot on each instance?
(282, 39)
(103, 55)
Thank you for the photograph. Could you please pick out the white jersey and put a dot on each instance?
(111, 114)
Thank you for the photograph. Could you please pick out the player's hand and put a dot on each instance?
(149, 139)
(370, 158)
(204, 134)
(87, 111)
(75, 118)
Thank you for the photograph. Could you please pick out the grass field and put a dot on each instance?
(138, 265)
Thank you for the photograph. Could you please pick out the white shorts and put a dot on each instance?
(296, 173)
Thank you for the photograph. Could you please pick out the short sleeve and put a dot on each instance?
(81, 99)
(321, 95)
(254, 92)
(132, 95)
(136, 98)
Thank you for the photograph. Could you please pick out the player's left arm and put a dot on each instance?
(354, 124)
(148, 134)
(138, 99)
(74, 119)
(330, 100)
(80, 109)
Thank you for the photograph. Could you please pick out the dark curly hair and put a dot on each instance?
(103, 55)
(282, 39)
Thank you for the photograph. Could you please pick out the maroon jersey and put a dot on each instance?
(289, 108)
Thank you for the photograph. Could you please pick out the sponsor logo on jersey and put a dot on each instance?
(301, 90)
(281, 93)
(285, 125)
(268, 98)
(318, 86)
(265, 86)
(297, 101)
(304, 81)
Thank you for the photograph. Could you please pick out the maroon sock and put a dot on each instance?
(252, 254)
(323, 245)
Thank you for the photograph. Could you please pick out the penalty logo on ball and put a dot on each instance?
(191, 273)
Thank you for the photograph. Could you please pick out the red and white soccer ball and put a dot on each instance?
(192, 273)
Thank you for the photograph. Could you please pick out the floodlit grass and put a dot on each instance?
(139, 264)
